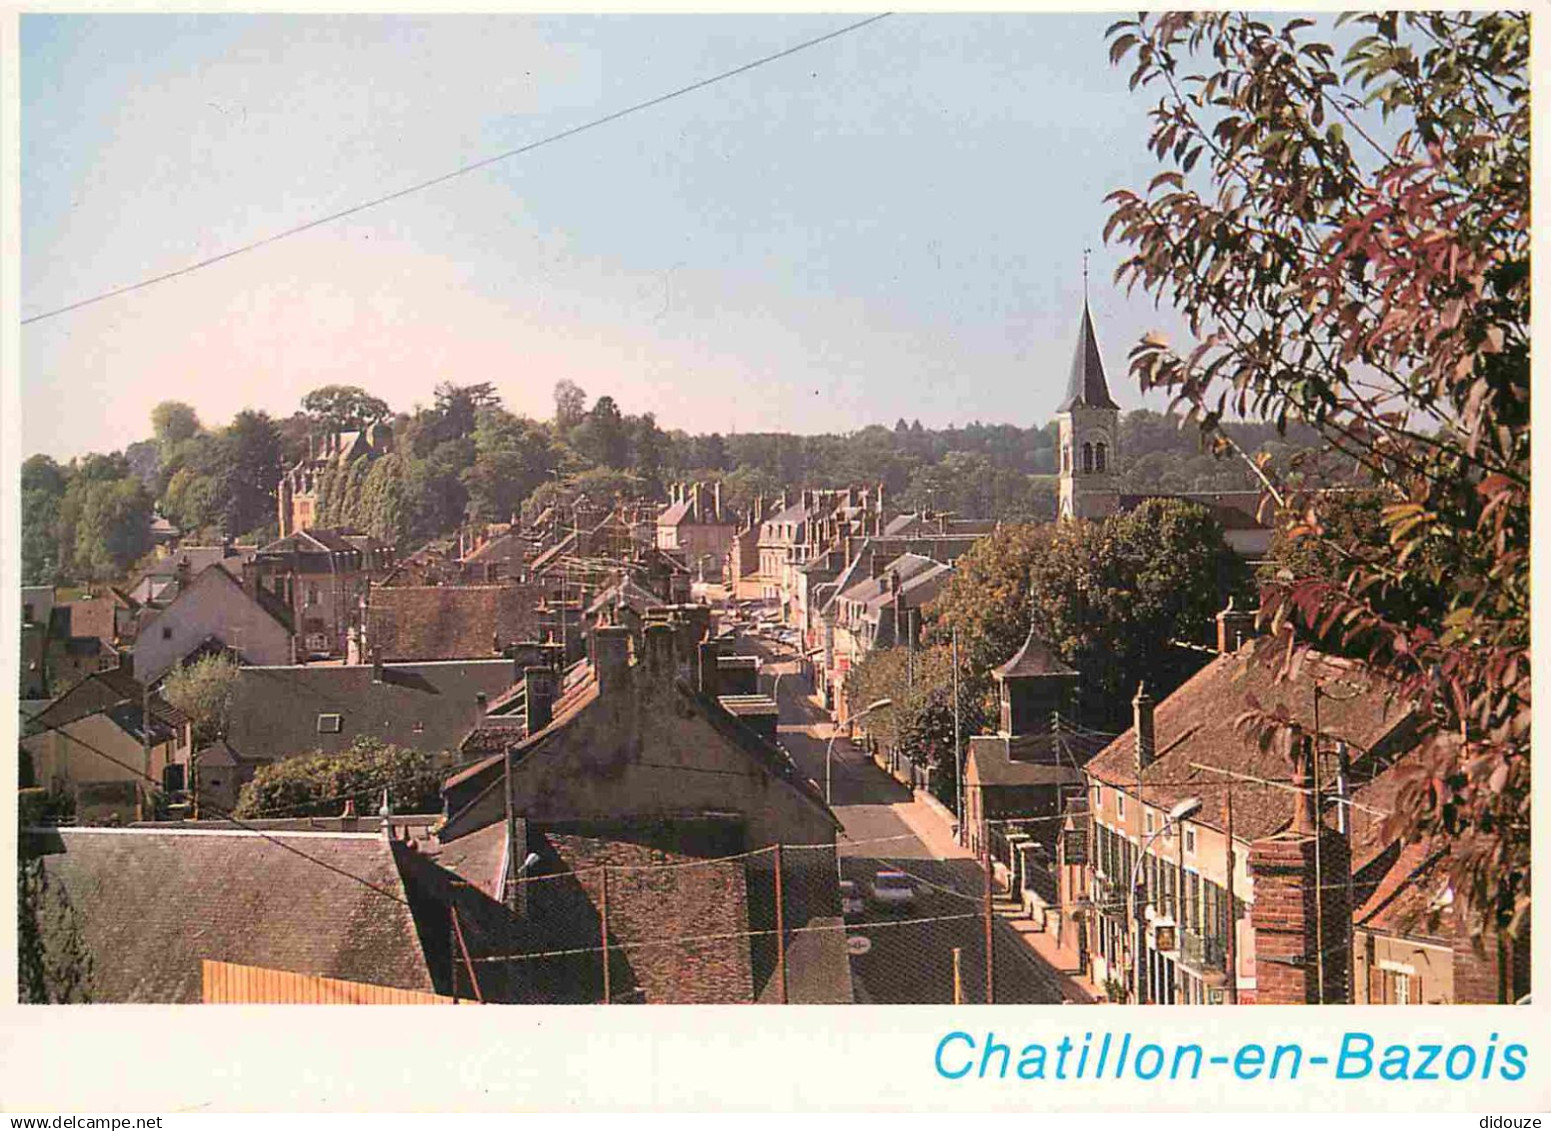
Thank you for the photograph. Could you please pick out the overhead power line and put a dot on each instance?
(461, 171)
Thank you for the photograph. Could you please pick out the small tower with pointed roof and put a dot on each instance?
(1090, 429)
(1032, 687)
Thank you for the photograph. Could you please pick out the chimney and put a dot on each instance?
(716, 499)
(540, 690)
(611, 657)
(1300, 902)
(708, 673)
(1142, 722)
(876, 563)
(1234, 627)
(661, 646)
(850, 549)
(376, 665)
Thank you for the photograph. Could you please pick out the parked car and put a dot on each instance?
(851, 898)
(892, 889)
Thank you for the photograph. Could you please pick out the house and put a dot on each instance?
(100, 733)
(449, 622)
(1411, 945)
(741, 572)
(640, 762)
(1239, 931)
(695, 527)
(302, 495)
(321, 577)
(148, 907)
(159, 582)
(213, 612)
(290, 710)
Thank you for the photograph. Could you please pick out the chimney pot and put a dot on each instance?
(611, 657)
(539, 688)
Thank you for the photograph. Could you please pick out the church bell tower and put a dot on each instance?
(1089, 421)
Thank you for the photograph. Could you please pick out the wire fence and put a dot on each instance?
(789, 924)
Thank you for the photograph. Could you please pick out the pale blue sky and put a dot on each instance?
(890, 224)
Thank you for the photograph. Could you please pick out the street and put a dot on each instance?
(907, 960)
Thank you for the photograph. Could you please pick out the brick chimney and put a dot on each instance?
(1298, 910)
(611, 657)
(541, 689)
(661, 647)
(708, 668)
(1142, 723)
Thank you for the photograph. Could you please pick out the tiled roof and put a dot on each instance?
(277, 711)
(450, 622)
(1035, 658)
(152, 904)
(88, 616)
(1086, 385)
(100, 692)
(1196, 724)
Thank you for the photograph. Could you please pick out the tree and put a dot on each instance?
(570, 405)
(1351, 250)
(254, 451)
(109, 522)
(43, 490)
(203, 690)
(602, 436)
(172, 422)
(512, 457)
(343, 408)
(319, 784)
(1112, 598)
(458, 407)
(919, 723)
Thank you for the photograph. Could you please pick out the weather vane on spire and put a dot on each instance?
(1085, 252)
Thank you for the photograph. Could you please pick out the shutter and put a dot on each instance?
(1376, 986)
(1416, 989)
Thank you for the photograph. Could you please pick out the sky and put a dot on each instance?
(890, 224)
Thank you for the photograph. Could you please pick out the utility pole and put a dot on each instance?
(958, 976)
(511, 885)
(1233, 927)
(603, 910)
(780, 929)
(958, 746)
(1316, 803)
(985, 861)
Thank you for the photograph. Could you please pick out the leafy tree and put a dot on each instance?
(602, 436)
(387, 507)
(42, 491)
(254, 450)
(919, 723)
(512, 457)
(203, 690)
(109, 522)
(1111, 597)
(173, 422)
(570, 405)
(318, 784)
(1351, 246)
(343, 408)
(646, 449)
(458, 407)
(192, 501)
(144, 458)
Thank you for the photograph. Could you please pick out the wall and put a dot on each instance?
(211, 607)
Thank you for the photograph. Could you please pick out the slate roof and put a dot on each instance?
(100, 692)
(423, 706)
(88, 616)
(1086, 385)
(1035, 658)
(152, 903)
(450, 622)
(1196, 724)
(1028, 759)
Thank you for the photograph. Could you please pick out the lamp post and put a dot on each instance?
(829, 748)
(1185, 809)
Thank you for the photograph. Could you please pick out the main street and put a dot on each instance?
(910, 951)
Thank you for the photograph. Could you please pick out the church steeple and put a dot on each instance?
(1086, 384)
(1090, 428)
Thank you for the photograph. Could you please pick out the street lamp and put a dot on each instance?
(876, 705)
(1184, 810)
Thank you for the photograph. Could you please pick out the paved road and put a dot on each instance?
(909, 960)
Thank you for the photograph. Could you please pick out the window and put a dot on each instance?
(419, 727)
(166, 632)
(312, 593)
(1148, 820)
(1100, 450)
(1190, 842)
(330, 724)
(1120, 805)
(1087, 458)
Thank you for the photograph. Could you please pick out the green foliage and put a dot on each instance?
(919, 723)
(1111, 598)
(173, 422)
(343, 408)
(1350, 244)
(512, 457)
(318, 784)
(54, 966)
(42, 493)
(108, 523)
(203, 690)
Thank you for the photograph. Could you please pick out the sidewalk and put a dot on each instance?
(932, 825)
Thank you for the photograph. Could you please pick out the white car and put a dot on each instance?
(850, 899)
(892, 889)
